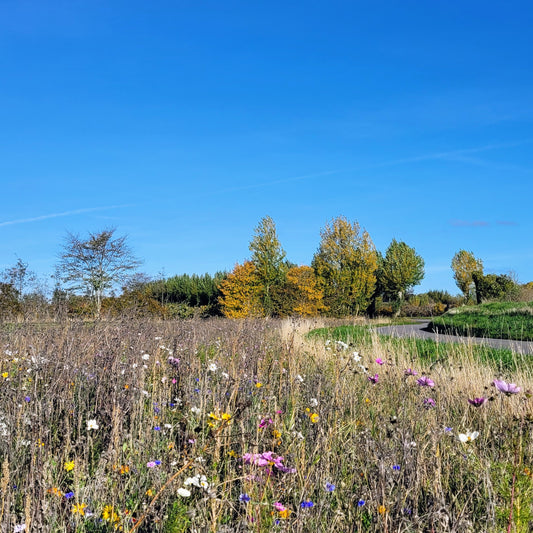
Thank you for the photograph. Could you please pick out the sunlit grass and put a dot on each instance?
(254, 426)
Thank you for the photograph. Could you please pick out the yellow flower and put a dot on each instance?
(285, 513)
(213, 416)
(69, 465)
(124, 469)
(232, 453)
(382, 509)
(276, 433)
(258, 385)
(314, 418)
(5, 374)
(367, 400)
(79, 508)
(226, 416)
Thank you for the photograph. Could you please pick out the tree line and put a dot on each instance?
(347, 276)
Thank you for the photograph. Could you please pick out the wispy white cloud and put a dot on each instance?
(457, 153)
(469, 223)
(62, 214)
(506, 223)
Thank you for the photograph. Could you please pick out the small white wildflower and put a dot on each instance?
(157, 338)
(134, 365)
(91, 424)
(200, 460)
(192, 481)
(356, 357)
(299, 378)
(226, 375)
(146, 356)
(196, 410)
(468, 436)
(183, 492)
(363, 368)
(168, 426)
(212, 367)
(313, 402)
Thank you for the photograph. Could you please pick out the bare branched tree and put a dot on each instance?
(96, 264)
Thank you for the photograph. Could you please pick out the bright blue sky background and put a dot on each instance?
(183, 123)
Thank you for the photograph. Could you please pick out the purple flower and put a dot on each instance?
(330, 487)
(244, 498)
(379, 361)
(410, 372)
(507, 388)
(267, 459)
(373, 379)
(424, 381)
(477, 402)
(27, 398)
(69, 495)
(150, 464)
(428, 403)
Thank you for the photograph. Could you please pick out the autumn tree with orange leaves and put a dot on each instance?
(241, 292)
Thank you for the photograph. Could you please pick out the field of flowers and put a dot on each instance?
(229, 426)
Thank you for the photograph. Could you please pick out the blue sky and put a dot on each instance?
(183, 123)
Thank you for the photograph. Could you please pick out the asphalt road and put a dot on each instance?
(420, 330)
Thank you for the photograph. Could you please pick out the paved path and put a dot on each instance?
(420, 329)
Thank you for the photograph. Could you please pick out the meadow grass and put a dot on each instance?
(498, 320)
(255, 426)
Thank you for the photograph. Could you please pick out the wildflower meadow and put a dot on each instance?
(253, 425)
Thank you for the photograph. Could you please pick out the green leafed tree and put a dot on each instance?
(96, 264)
(400, 270)
(345, 264)
(268, 257)
(464, 265)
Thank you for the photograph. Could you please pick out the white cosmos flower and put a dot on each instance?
(468, 436)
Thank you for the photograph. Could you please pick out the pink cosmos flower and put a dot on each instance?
(507, 388)
(379, 361)
(267, 459)
(265, 423)
(410, 372)
(373, 379)
(424, 381)
(279, 507)
(477, 402)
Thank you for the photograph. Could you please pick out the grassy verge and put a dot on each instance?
(251, 426)
(427, 350)
(500, 320)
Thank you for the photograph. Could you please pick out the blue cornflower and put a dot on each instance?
(157, 462)
(396, 467)
(157, 428)
(27, 398)
(69, 495)
(244, 498)
(360, 503)
(305, 504)
(330, 487)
